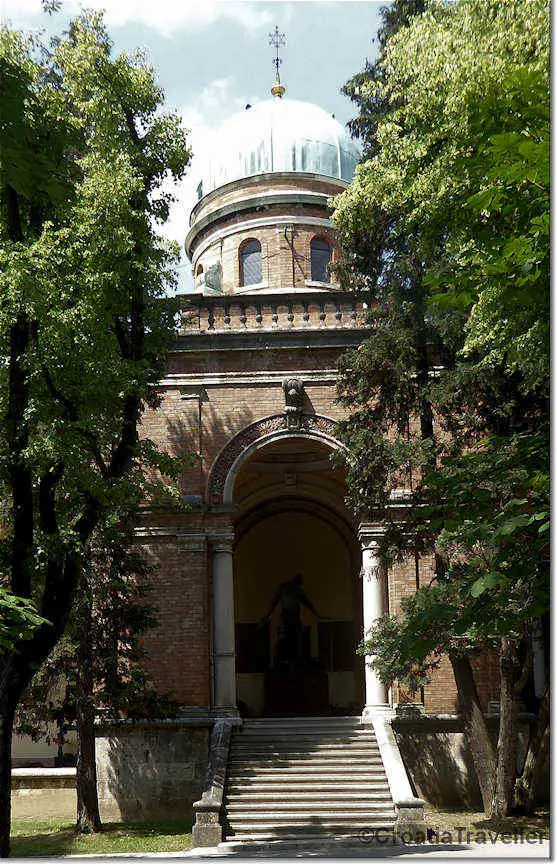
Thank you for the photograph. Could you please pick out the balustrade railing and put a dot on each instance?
(271, 312)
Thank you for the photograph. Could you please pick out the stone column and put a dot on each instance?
(373, 590)
(224, 650)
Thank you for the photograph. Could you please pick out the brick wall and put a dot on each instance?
(204, 414)
(285, 259)
(179, 649)
(188, 421)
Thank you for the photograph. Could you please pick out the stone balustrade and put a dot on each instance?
(267, 312)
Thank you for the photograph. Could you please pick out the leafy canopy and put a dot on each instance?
(446, 228)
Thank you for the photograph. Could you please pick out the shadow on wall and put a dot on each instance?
(217, 428)
(441, 768)
(440, 764)
(151, 771)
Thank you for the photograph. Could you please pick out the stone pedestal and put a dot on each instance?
(296, 692)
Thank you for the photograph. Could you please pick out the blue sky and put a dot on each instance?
(213, 56)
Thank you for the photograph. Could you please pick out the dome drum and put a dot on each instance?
(285, 258)
(267, 183)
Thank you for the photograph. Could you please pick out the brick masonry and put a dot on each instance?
(213, 391)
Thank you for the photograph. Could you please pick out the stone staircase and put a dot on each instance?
(291, 778)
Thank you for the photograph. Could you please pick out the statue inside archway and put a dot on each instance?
(289, 651)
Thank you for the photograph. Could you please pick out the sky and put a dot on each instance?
(213, 56)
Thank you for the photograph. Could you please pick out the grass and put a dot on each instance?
(475, 822)
(57, 838)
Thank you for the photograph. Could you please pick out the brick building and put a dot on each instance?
(266, 584)
(251, 387)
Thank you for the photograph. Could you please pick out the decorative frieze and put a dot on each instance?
(250, 434)
(192, 543)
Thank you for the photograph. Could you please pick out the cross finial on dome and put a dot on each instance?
(276, 39)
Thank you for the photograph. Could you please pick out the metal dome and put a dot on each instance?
(279, 135)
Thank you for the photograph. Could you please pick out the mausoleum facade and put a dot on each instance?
(266, 584)
(251, 387)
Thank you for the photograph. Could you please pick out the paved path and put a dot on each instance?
(416, 852)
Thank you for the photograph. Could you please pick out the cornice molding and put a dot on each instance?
(249, 225)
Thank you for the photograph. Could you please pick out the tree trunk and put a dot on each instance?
(510, 669)
(483, 752)
(88, 818)
(6, 726)
(538, 746)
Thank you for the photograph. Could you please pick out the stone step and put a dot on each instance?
(271, 823)
(301, 745)
(296, 803)
(299, 799)
(321, 769)
(295, 839)
(321, 765)
(306, 777)
(303, 720)
(322, 749)
(308, 726)
(302, 785)
(303, 741)
(297, 754)
(312, 727)
(283, 777)
(303, 729)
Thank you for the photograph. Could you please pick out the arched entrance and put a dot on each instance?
(297, 592)
(280, 501)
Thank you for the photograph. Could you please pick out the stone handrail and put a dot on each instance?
(265, 312)
(207, 829)
(410, 825)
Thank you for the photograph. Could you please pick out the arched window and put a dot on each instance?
(199, 270)
(320, 260)
(250, 262)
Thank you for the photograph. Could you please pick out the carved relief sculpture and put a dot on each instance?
(293, 396)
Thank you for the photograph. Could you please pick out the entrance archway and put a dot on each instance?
(295, 656)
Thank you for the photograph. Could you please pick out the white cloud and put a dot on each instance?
(202, 117)
(165, 16)
(214, 104)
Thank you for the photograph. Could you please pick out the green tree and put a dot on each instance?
(97, 668)
(455, 182)
(18, 619)
(84, 147)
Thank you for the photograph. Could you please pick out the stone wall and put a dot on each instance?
(439, 763)
(151, 771)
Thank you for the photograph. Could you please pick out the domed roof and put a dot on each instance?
(279, 135)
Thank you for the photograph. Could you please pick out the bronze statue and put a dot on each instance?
(291, 596)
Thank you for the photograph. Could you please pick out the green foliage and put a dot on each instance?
(18, 619)
(445, 228)
(116, 578)
(84, 314)
(396, 15)
(85, 148)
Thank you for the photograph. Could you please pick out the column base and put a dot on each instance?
(378, 710)
(225, 713)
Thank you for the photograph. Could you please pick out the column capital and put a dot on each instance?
(370, 535)
(222, 543)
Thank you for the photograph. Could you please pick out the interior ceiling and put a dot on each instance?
(293, 467)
